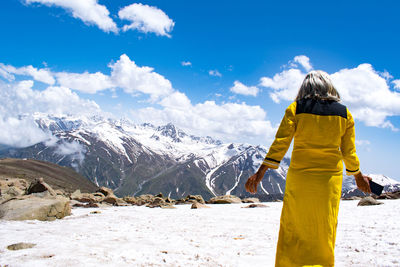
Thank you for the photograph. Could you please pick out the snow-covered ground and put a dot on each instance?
(224, 235)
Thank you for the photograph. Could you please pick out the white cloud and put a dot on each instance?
(396, 84)
(304, 61)
(19, 102)
(215, 73)
(368, 95)
(240, 88)
(125, 74)
(186, 63)
(89, 11)
(85, 82)
(364, 90)
(227, 121)
(285, 85)
(146, 19)
(41, 75)
(134, 79)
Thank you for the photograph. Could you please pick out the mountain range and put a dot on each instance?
(137, 159)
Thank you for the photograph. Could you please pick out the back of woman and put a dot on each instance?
(324, 137)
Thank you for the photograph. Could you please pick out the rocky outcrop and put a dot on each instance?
(368, 201)
(227, 199)
(31, 207)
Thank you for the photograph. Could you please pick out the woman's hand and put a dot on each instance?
(362, 182)
(255, 179)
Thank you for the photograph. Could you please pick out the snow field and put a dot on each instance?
(224, 235)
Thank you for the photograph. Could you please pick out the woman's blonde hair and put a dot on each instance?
(318, 85)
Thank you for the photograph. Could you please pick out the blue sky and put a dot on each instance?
(97, 56)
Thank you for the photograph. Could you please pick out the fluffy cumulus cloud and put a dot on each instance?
(125, 74)
(368, 94)
(41, 75)
(366, 91)
(134, 79)
(85, 82)
(19, 102)
(227, 121)
(89, 11)
(240, 88)
(146, 19)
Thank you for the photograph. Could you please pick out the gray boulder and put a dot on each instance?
(368, 201)
(31, 207)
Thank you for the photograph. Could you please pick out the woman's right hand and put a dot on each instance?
(362, 182)
(255, 179)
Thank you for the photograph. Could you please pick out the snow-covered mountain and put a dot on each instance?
(138, 159)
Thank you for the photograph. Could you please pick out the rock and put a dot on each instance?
(130, 200)
(158, 202)
(13, 192)
(31, 207)
(39, 186)
(368, 201)
(197, 198)
(390, 195)
(250, 200)
(87, 205)
(227, 199)
(76, 194)
(160, 195)
(21, 245)
(105, 191)
(168, 207)
(198, 205)
(60, 192)
(190, 199)
(256, 205)
(169, 200)
(88, 197)
(111, 200)
(144, 199)
(95, 212)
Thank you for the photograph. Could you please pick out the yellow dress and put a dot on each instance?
(323, 133)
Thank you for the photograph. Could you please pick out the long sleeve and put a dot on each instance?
(348, 147)
(283, 138)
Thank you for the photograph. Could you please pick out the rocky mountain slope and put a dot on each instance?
(57, 176)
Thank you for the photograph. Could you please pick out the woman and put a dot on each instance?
(323, 132)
